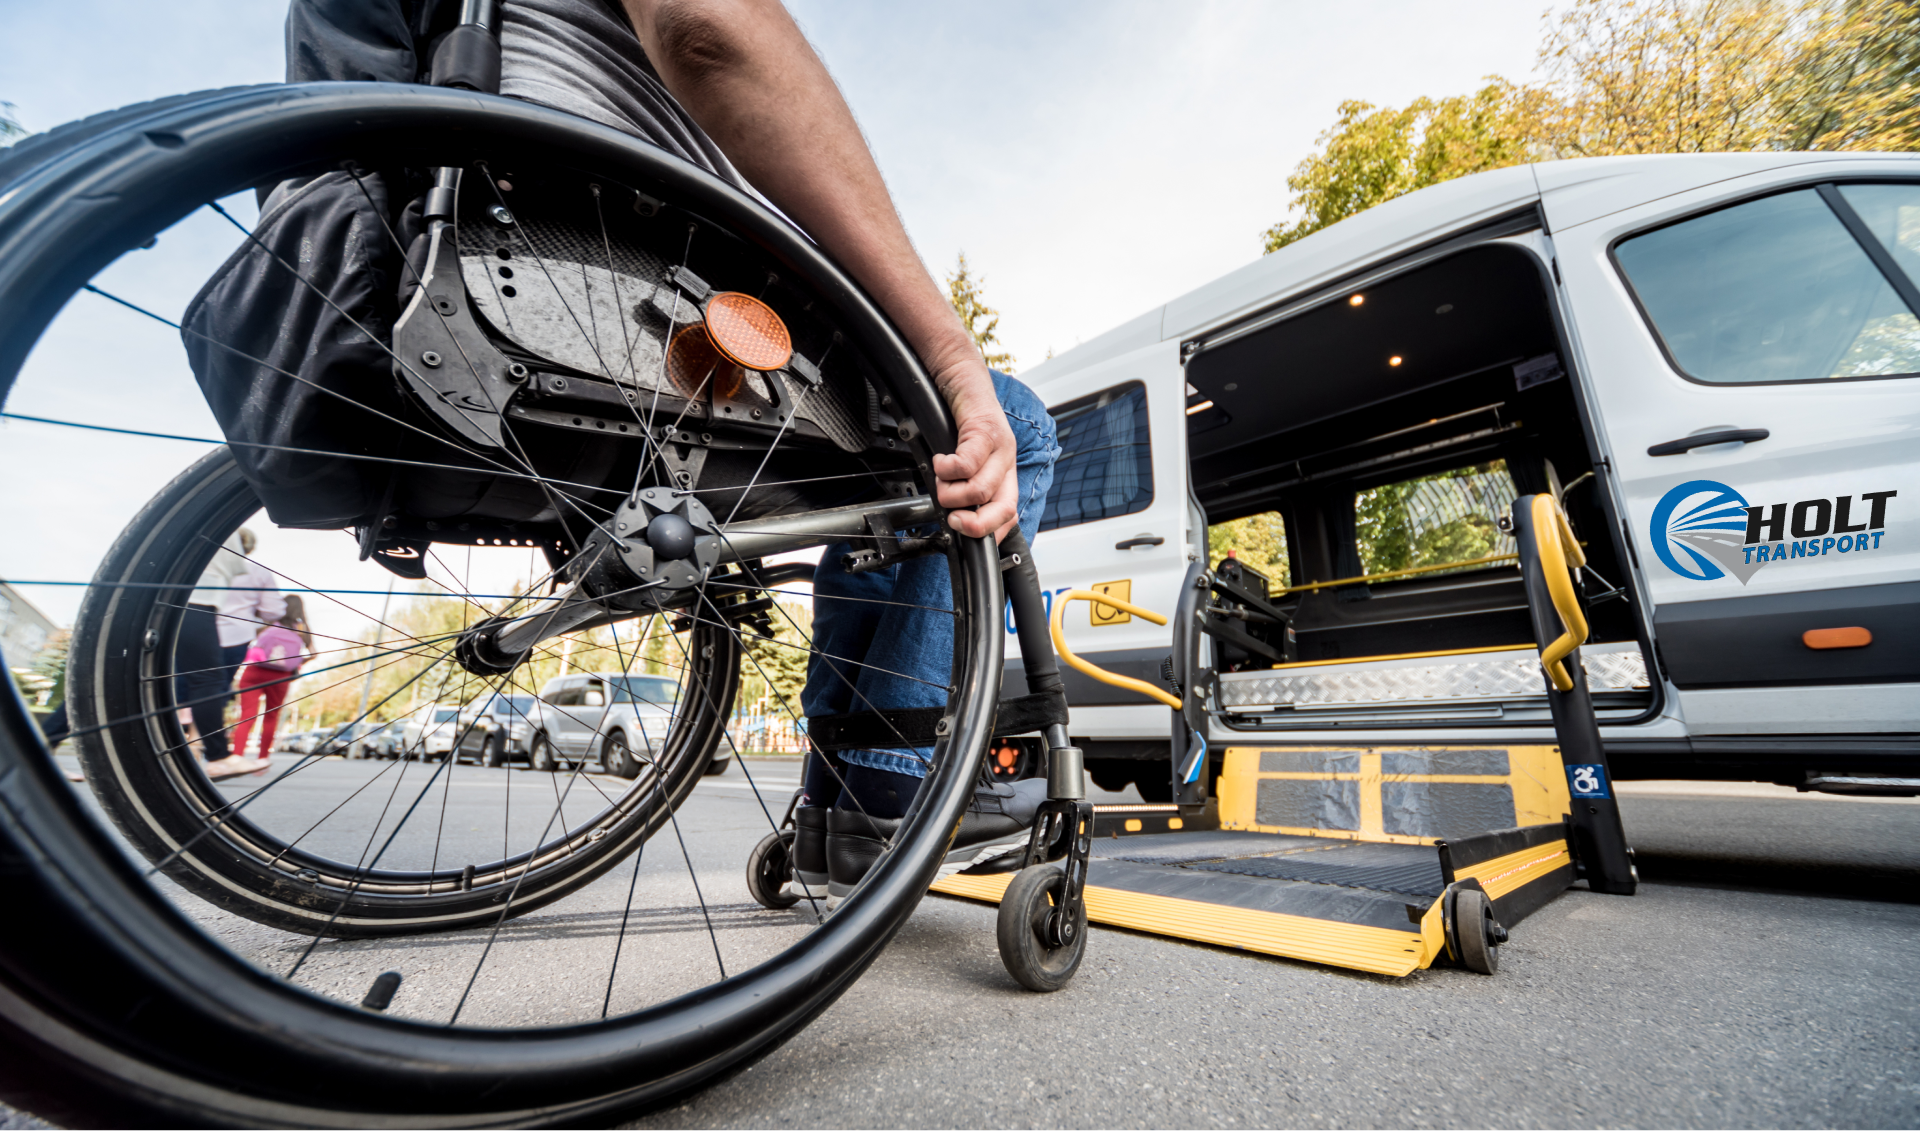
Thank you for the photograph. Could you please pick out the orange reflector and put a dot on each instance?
(696, 368)
(747, 331)
(1852, 637)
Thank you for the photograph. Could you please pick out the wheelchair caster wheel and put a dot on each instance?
(1478, 935)
(1040, 947)
(770, 870)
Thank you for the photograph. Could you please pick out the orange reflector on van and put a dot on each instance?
(1823, 638)
(747, 331)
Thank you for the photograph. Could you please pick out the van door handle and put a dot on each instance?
(1723, 436)
(1138, 540)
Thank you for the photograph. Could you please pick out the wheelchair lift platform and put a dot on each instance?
(1347, 856)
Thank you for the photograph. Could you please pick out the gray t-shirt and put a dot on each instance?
(581, 56)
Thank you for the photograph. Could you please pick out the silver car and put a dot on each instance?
(618, 719)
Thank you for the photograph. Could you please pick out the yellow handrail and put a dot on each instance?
(1407, 572)
(1077, 664)
(1554, 540)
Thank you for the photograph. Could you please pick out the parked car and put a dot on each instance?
(615, 718)
(496, 730)
(339, 739)
(428, 733)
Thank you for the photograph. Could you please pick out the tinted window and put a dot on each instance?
(647, 689)
(1106, 461)
(1775, 290)
(1435, 519)
(1892, 214)
(446, 714)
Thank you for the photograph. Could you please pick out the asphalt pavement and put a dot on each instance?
(1762, 976)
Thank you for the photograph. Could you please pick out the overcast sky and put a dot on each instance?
(1092, 160)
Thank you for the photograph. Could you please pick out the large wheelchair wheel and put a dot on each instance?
(199, 951)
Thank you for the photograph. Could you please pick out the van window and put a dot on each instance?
(1775, 290)
(1106, 461)
(1892, 214)
(1259, 540)
(647, 689)
(1435, 519)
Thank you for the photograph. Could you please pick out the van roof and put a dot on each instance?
(1572, 192)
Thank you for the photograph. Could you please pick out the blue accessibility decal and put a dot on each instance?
(1588, 781)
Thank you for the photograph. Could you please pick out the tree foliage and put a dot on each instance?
(1259, 540)
(964, 291)
(1632, 77)
(10, 127)
(776, 670)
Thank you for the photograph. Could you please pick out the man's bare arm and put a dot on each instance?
(747, 75)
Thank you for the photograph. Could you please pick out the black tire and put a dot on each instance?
(1155, 784)
(494, 754)
(540, 754)
(615, 758)
(1475, 930)
(770, 871)
(719, 766)
(1022, 931)
(104, 936)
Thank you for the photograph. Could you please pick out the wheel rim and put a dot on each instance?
(50, 242)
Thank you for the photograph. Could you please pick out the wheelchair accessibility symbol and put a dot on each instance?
(1589, 781)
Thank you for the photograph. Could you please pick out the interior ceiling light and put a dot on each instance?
(747, 331)
(1395, 360)
(1356, 300)
(1201, 407)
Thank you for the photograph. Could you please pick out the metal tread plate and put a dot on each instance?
(1480, 676)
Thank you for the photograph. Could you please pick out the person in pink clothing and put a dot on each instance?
(271, 663)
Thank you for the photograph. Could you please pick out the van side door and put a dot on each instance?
(1116, 519)
(1754, 353)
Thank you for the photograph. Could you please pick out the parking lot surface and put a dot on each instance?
(1761, 977)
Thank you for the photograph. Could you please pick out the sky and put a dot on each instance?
(1091, 159)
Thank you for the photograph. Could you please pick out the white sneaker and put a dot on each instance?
(232, 766)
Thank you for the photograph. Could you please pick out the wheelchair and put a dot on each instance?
(582, 397)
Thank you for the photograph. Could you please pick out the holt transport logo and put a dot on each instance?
(1704, 530)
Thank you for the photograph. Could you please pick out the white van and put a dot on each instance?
(1714, 360)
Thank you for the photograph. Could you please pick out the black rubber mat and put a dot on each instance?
(1402, 869)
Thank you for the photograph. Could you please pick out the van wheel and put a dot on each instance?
(494, 754)
(719, 766)
(540, 755)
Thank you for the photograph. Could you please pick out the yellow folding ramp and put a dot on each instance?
(1332, 855)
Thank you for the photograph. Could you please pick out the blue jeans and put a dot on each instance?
(884, 639)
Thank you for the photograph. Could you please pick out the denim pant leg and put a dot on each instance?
(884, 639)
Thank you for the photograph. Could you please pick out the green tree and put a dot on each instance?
(777, 669)
(1433, 520)
(10, 127)
(964, 291)
(1259, 540)
(1637, 76)
(1370, 154)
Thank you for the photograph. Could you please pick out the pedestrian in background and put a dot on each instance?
(271, 663)
(232, 600)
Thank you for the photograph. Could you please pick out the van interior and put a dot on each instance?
(1387, 432)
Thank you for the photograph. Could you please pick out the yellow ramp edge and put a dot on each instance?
(1373, 949)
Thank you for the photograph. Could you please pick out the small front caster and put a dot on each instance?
(770, 871)
(1040, 944)
(1476, 935)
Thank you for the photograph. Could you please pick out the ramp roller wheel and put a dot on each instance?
(770, 870)
(1041, 949)
(1479, 935)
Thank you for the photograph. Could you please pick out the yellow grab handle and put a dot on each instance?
(1554, 540)
(1077, 664)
